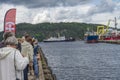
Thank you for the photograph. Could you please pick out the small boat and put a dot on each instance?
(59, 39)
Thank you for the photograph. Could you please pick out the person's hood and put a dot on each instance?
(4, 53)
(25, 43)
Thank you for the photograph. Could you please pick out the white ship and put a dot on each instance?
(58, 39)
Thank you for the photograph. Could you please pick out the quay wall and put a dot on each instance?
(110, 41)
(45, 70)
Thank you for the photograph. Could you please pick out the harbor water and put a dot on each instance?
(81, 61)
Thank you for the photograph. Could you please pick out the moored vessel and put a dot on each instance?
(59, 39)
(92, 39)
(107, 33)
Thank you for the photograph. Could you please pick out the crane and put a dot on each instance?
(102, 30)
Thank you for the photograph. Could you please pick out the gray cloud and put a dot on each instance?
(45, 3)
(104, 6)
(60, 14)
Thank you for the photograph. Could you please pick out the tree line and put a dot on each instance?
(42, 31)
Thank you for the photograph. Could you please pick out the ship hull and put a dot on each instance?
(92, 39)
(59, 40)
(112, 38)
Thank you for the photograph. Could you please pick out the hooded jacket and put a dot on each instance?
(27, 50)
(11, 61)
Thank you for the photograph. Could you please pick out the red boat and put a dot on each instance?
(108, 34)
(113, 36)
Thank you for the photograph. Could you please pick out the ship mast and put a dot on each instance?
(115, 23)
(115, 26)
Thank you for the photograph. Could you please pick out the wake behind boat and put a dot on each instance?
(59, 39)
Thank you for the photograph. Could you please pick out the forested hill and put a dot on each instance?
(46, 30)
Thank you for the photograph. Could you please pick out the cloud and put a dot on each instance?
(104, 6)
(45, 3)
(43, 16)
(102, 12)
(86, 12)
(61, 14)
(23, 14)
(3, 9)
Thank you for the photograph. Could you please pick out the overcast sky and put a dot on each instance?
(38, 11)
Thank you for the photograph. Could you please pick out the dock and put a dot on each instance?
(110, 41)
(45, 72)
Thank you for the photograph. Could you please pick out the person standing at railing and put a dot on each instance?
(27, 50)
(11, 60)
(5, 36)
(35, 59)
